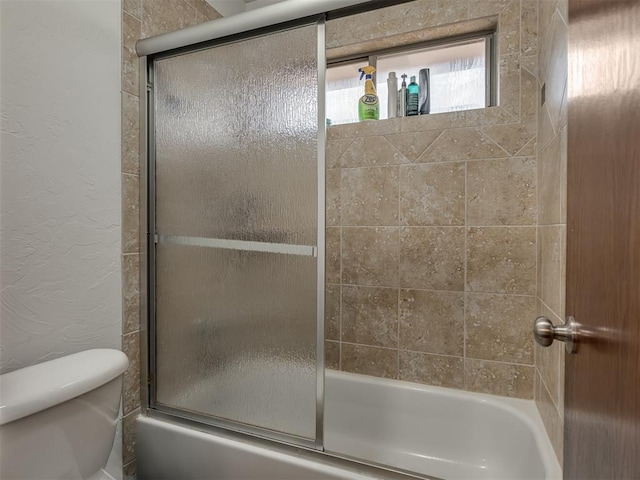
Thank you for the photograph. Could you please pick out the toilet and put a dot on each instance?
(58, 418)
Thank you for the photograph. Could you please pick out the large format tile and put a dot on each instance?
(369, 196)
(132, 7)
(552, 260)
(512, 138)
(371, 152)
(550, 360)
(432, 194)
(432, 322)
(432, 258)
(206, 10)
(509, 31)
(332, 312)
(501, 260)
(506, 379)
(551, 420)
(162, 16)
(551, 189)
(370, 316)
(131, 293)
(370, 256)
(529, 27)
(129, 436)
(412, 145)
(376, 361)
(333, 212)
(396, 19)
(509, 94)
(528, 96)
(335, 149)
(130, 134)
(364, 129)
(545, 128)
(131, 33)
(438, 370)
(434, 121)
(332, 355)
(461, 144)
(502, 192)
(131, 381)
(498, 327)
(555, 71)
(486, 7)
(530, 64)
(130, 213)
(333, 268)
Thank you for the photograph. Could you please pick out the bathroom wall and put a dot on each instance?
(431, 220)
(60, 188)
(60, 181)
(552, 213)
(140, 19)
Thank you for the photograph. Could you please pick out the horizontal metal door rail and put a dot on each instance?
(283, 248)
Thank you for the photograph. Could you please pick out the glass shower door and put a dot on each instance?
(236, 235)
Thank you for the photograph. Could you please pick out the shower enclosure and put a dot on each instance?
(233, 199)
(237, 234)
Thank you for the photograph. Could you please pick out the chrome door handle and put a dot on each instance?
(545, 333)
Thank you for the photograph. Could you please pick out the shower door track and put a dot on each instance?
(334, 459)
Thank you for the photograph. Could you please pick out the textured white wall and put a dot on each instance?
(60, 286)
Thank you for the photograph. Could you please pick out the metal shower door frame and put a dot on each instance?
(149, 238)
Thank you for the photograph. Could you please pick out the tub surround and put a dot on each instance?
(140, 19)
(431, 220)
(552, 213)
(431, 256)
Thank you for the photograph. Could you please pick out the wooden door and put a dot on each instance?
(602, 396)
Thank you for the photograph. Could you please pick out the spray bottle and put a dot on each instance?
(368, 106)
(402, 97)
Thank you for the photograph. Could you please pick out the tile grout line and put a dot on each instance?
(464, 286)
(340, 277)
(398, 287)
(354, 285)
(475, 359)
(527, 225)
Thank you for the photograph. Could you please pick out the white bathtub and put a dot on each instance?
(434, 431)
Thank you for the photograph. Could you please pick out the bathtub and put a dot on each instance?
(436, 432)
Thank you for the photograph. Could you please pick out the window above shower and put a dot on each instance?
(460, 76)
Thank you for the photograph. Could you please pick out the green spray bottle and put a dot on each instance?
(369, 105)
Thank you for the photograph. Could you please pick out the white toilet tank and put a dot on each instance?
(58, 418)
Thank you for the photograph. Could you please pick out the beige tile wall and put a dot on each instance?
(140, 19)
(431, 220)
(552, 215)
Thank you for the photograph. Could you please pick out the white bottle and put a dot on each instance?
(392, 98)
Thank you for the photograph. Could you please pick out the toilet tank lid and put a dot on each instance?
(32, 389)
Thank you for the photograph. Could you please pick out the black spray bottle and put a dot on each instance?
(425, 93)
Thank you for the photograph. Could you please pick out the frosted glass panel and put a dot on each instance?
(236, 148)
(236, 336)
(236, 170)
